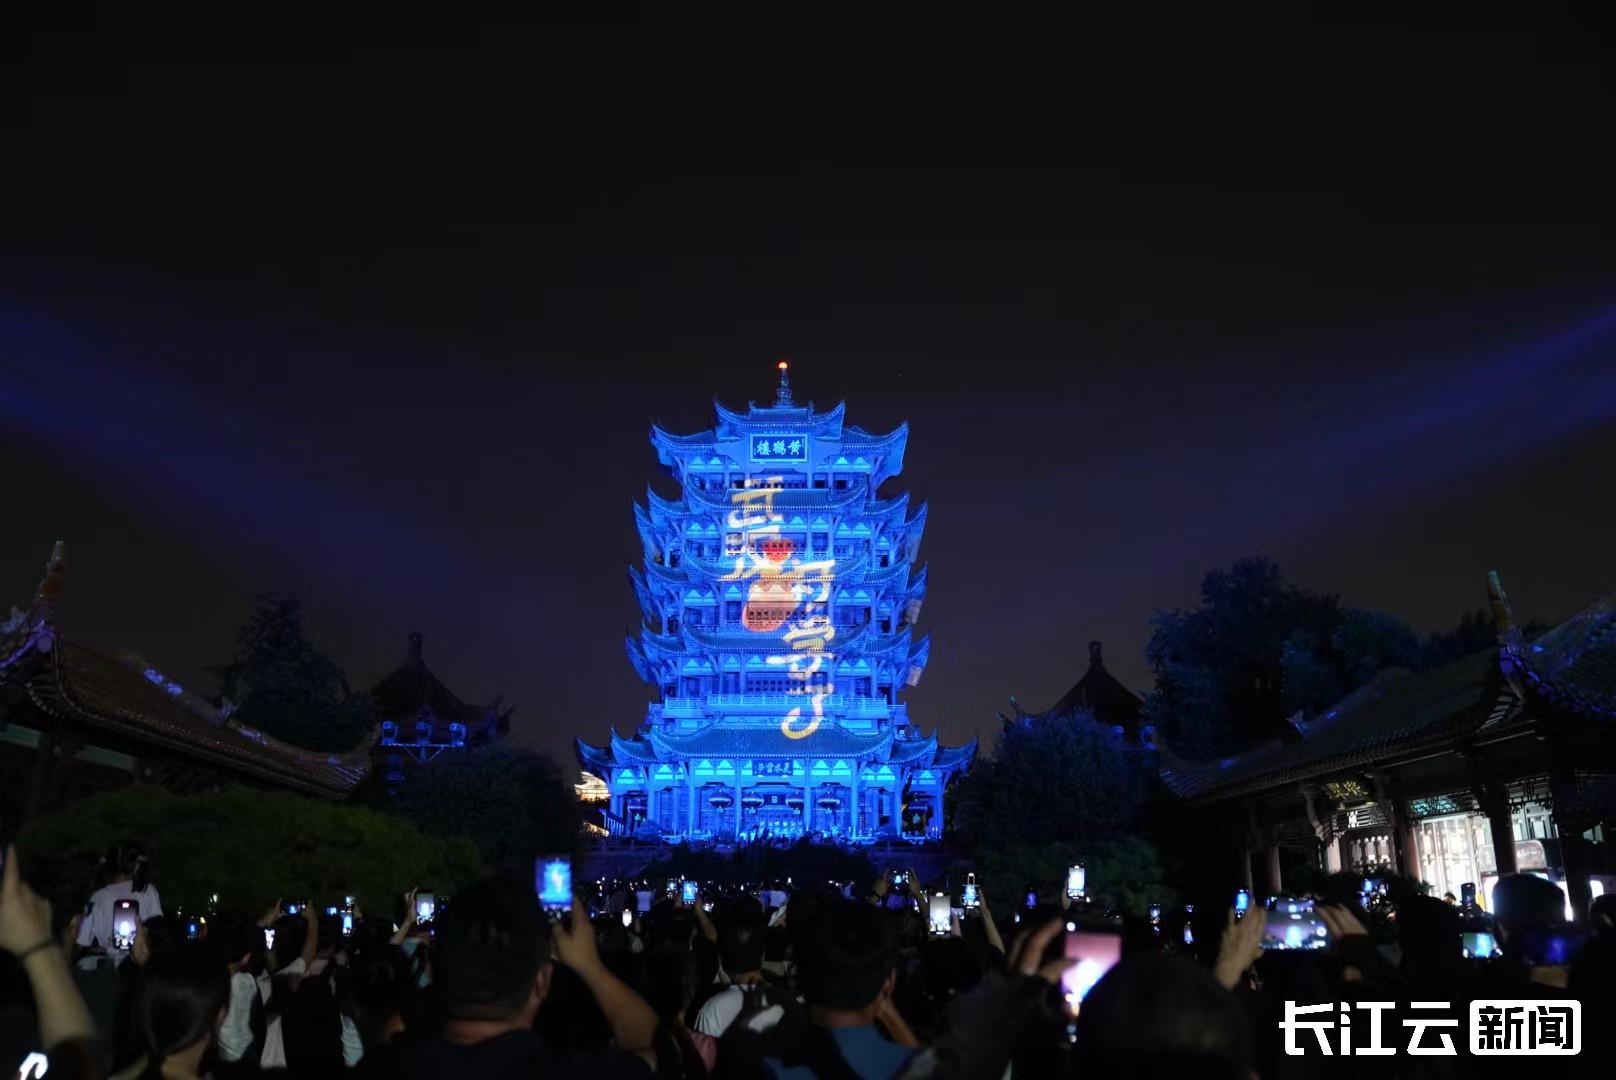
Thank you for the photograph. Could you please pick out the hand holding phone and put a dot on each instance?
(1096, 953)
(426, 907)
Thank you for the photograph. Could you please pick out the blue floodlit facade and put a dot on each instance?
(779, 596)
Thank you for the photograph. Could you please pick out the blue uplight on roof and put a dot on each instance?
(1537, 648)
(154, 676)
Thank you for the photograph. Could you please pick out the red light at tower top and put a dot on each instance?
(782, 397)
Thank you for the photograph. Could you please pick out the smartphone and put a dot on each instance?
(1467, 894)
(1096, 953)
(707, 906)
(426, 906)
(937, 914)
(1076, 881)
(552, 880)
(125, 917)
(628, 918)
(193, 928)
(347, 901)
(687, 892)
(1291, 924)
(1032, 898)
(899, 877)
(673, 887)
(1242, 903)
(1189, 934)
(331, 909)
(970, 899)
(642, 900)
(347, 924)
(1478, 945)
(296, 909)
(1155, 914)
(269, 937)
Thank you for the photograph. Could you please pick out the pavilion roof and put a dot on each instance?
(410, 688)
(1098, 693)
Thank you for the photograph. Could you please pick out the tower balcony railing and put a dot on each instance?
(850, 705)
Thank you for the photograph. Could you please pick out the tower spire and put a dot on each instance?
(782, 396)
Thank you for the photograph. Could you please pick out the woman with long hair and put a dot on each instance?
(130, 873)
(178, 1008)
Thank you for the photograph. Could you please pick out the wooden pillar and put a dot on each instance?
(1574, 850)
(1276, 885)
(1493, 797)
(737, 804)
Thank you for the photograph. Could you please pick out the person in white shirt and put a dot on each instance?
(132, 882)
(740, 950)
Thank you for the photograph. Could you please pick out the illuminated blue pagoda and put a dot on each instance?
(779, 596)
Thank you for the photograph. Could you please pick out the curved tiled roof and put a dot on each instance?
(914, 751)
(121, 697)
(786, 418)
(954, 757)
(1572, 666)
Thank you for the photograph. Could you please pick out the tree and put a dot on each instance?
(1054, 781)
(1220, 669)
(511, 802)
(286, 687)
(1124, 873)
(247, 847)
(1320, 673)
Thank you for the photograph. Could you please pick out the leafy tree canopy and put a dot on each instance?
(511, 802)
(286, 687)
(1051, 782)
(1260, 649)
(1124, 873)
(248, 847)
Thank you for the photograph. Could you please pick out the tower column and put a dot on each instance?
(853, 803)
(807, 801)
(690, 786)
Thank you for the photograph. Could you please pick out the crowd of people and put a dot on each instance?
(806, 981)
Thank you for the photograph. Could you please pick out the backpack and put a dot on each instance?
(741, 1050)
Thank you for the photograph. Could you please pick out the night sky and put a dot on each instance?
(381, 313)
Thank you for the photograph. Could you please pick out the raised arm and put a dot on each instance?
(634, 1023)
(989, 927)
(708, 930)
(25, 932)
(404, 928)
(311, 942)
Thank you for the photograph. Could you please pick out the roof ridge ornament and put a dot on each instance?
(782, 396)
(44, 606)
